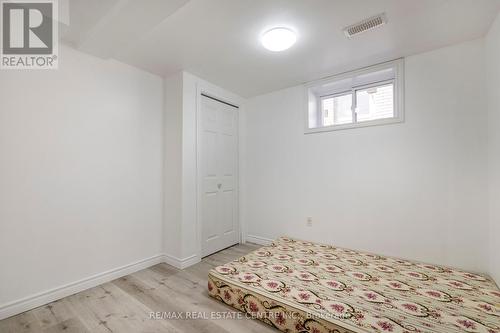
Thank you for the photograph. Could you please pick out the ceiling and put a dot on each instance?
(218, 40)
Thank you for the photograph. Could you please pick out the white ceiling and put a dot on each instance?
(218, 40)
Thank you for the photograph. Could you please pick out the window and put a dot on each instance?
(336, 109)
(376, 102)
(371, 96)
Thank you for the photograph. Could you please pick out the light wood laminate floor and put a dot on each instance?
(125, 304)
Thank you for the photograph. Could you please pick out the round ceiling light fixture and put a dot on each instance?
(278, 39)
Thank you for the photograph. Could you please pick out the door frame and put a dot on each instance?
(222, 96)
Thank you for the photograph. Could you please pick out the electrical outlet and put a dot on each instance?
(309, 221)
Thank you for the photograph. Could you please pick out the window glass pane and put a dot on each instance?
(336, 110)
(375, 103)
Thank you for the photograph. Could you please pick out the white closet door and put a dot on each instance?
(218, 169)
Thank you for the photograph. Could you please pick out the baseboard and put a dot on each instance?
(181, 263)
(31, 302)
(258, 240)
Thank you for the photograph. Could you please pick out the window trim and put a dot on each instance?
(398, 91)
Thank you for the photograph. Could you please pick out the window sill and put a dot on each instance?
(377, 122)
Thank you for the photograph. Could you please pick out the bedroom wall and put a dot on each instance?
(172, 164)
(414, 190)
(493, 84)
(80, 176)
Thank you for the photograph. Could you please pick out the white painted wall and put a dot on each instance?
(190, 240)
(172, 211)
(415, 190)
(493, 83)
(80, 172)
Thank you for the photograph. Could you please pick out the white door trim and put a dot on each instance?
(207, 90)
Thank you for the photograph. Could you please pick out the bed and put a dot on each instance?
(299, 286)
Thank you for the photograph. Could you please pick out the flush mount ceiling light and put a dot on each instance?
(278, 39)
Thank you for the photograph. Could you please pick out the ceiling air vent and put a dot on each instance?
(365, 25)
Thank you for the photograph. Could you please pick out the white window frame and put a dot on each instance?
(398, 98)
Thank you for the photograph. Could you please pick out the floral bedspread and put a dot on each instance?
(364, 292)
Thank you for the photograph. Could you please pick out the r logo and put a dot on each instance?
(27, 28)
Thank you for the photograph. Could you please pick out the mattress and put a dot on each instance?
(299, 286)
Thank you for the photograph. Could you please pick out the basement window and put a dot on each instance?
(366, 97)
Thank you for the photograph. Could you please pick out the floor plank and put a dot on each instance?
(53, 314)
(125, 305)
(23, 323)
(73, 325)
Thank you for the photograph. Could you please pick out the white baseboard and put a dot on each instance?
(31, 302)
(181, 263)
(258, 240)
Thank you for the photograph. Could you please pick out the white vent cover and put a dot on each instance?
(365, 25)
